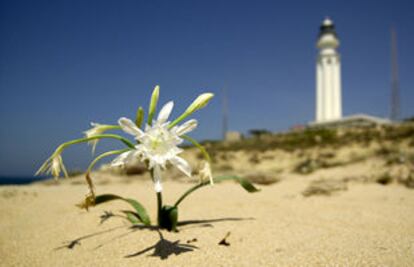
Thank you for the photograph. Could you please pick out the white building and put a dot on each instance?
(328, 75)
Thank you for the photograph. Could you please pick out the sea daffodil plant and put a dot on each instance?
(156, 145)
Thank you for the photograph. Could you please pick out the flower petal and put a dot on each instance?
(129, 127)
(157, 179)
(44, 167)
(182, 165)
(62, 166)
(186, 127)
(93, 143)
(122, 159)
(165, 112)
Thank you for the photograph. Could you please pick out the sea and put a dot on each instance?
(20, 180)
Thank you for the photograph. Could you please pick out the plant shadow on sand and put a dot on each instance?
(162, 248)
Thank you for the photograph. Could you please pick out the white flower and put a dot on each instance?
(158, 145)
(205, 173)
(53, 165)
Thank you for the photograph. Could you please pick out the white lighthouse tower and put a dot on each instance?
(328, 75)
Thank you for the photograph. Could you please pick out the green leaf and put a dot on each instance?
(249, 187)
(105, 198)
(140, 210)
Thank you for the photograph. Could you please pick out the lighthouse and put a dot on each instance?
(328, 75)
(328, 108)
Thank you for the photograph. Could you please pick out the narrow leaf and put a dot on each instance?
(132, 216)
(249, 187)
(141, 212)
(105, 198)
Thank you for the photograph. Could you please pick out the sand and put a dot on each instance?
(365, 225)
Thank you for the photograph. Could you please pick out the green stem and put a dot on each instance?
(199, 146)
(99, 136)
(178, 120)
(159, 201)
(159, 206)
(189, 191)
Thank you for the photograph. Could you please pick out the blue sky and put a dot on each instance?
(64, 64)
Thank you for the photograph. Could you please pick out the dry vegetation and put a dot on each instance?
(382, 154)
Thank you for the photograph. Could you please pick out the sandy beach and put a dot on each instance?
(365, 225)
(286, 127)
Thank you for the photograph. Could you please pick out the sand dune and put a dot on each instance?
(365, 225)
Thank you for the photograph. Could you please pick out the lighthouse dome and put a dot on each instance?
(327, 35)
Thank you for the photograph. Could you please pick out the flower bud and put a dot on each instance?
(200, 102)
(140, 117)
(153, 104)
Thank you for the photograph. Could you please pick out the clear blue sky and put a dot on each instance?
(64, 64)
